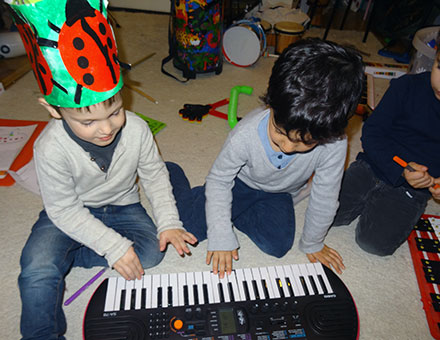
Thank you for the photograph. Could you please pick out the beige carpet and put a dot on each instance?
(384, 289)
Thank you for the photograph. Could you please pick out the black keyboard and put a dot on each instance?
(301, 301)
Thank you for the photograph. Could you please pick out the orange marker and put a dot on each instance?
(405, 165)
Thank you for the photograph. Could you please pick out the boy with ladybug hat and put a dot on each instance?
(88, 160)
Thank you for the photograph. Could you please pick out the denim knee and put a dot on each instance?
(151, 258)
(372, 246)
(277, 250)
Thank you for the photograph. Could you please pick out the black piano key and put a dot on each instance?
(426, 244)
(304, 285)
(289, 286)
(170, 296)
(424, 225)
(122, 302)
(143, 297)
(435, 300)
(231, 292)
(265, 290)
(321, 281)
(185, 295)
(196, 295)
(314, 286)
(246, 291)
(221, 294)
(431, 276)
(159, 297)
(434, 265)
(280, 287)
(254, 286)
(133, 299)
(205, 293)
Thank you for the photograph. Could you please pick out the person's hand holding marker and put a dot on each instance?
(418, 177)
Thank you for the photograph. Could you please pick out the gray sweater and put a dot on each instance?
(69, 180)
(243, 156)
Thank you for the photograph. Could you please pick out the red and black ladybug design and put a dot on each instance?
(38, 62)
(87, 48)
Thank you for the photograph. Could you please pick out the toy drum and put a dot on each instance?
(243, 43)
(270, 36)
(287, 32)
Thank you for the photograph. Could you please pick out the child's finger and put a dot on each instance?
(184, 247)
(162, 244)
(229, 264)
(222, 267)
(178, 245)
(190, 238)
(208, 257)
(215, 264)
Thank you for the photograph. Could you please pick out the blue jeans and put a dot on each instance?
(387, 215)
(49, 254)
(268, 219)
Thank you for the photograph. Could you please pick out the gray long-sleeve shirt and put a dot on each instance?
(69, 181)
(243, 156)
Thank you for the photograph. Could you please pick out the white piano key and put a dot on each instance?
(208, 283)
(248, 279)
(181, 282)
(147, 286)
(174, 289)
(198, 278)
(320, 271)
(232, 279)
(258, 280)
(273, 275)
(312, 271)
(164, 284)
(109, 304)
(224, 284)
(119, 287)
(129, 285)
(190, 284)
(154, 289)
(138, 286)
(265, 276)
(282, 276)
(215, 281)
(305, 274)
(289, 274)
(239, 274)
(296, 275)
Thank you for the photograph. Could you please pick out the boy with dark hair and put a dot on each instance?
(270, 155)
(388, 199)
(88, 160)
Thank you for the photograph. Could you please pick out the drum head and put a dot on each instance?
(241, 46)
(288, 27)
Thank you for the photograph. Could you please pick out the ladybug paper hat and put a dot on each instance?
(72, 50)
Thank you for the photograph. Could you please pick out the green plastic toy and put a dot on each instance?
(233, 103)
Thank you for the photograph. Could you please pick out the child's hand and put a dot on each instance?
(129, 265)
(435, 190)
(222, 261)
(420, 178)
(178, 238)
(329, 258)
